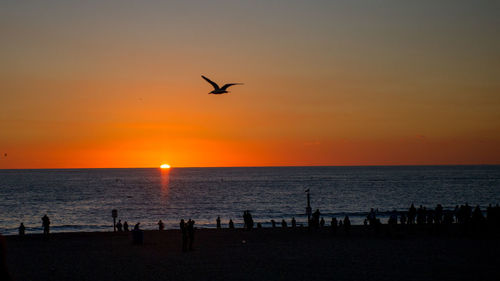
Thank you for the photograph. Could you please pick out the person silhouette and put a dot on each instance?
(119, 226)
(125, 226)
(21, 229)
(46, 225)
(190, 230)
(322, 222)
(411, 214)
(347, 224)
(183, 228)
(137, 234)
(294, 222)
(334, 225)
(161, 225)
(315, 218)
(231, 224)
(283, 223)
(218, 222)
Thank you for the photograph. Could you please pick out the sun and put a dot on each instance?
(165, 166)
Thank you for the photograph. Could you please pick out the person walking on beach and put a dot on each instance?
(190, 230)
(294, 222)
(119, 226)
(183, 228)
(231, 224)
(21, 229)
(161, 226)
(218, 222)
(125, 226)
(46, 225)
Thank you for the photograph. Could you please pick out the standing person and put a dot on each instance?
(46, 225)
(161, 226)
(21, 229)
(283, 223)
(218, 222)
(315, 219)
(322, 222)
(411, 214)
(334, 225)
(183, 227)
(190, 229)
(250, 221)
(231, 224)
(119, 226)
(125, 226)
(245, 220)
(347, 224)
(294, 222)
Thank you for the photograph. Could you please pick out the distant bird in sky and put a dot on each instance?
(219, 90)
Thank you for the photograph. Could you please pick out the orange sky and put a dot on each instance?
(326, 83)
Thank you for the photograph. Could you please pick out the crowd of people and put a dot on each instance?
(463, 215)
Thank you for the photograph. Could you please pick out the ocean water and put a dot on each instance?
(82, 199)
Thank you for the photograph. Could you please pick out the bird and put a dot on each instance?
(219, 90)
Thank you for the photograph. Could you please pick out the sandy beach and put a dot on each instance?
(262, 254)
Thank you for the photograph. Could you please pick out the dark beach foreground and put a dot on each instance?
(262, 254)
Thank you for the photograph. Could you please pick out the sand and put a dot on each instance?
(268, 254)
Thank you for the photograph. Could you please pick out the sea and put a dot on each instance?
(82, 200)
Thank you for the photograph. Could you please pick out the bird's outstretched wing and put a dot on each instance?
(211, 82)
(229, 85)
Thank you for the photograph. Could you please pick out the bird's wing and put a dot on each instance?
(211, 82)
(229, 85)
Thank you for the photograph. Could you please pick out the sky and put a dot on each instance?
(101, 84)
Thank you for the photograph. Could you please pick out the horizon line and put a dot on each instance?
(264, 166)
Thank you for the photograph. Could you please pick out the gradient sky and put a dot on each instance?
(117, 83)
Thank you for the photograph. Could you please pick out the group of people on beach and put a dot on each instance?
(122, 227)
(45, 225)
(463, 215)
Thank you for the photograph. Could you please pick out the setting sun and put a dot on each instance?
(165, 166)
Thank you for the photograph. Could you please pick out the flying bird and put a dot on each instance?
(219, 90)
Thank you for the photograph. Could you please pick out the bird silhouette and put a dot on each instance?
(219, 90)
